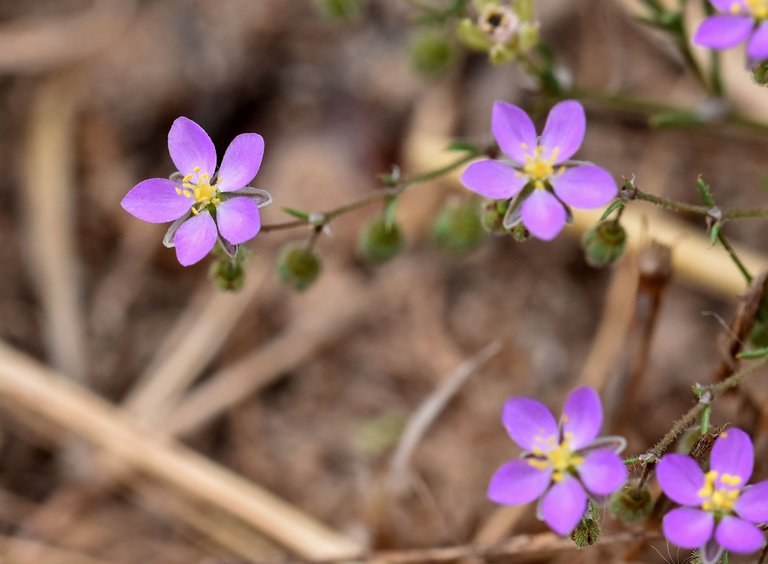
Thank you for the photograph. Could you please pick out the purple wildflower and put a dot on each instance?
(738, 21)
(204, 205)
(539, 173)
(716, 502)
(566, 457)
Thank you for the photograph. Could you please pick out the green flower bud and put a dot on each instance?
(604, 243)
(587, 532)
(341, 9)
(470, 34)
(227, 274)
(501, 54)
(432, 53)
(520, 233)
(492, 216)
(298, 267)
(380, 242)
(632, 503)
(760, 74)
(457, 229)
(527, 36)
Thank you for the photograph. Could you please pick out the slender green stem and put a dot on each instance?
(705, 419)
(388, 192)
(734, 257)
(683, 207)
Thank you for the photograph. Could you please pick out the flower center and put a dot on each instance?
(758, 8)
(539, 169)
(203, 192)
(561, 459)
(719, 499)
(499, 23)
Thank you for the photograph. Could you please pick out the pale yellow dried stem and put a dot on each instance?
(42, 391)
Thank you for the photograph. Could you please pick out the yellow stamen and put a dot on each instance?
(540, 169)
(759, 8)
(719, 499)
(730, 479)
(195, 211)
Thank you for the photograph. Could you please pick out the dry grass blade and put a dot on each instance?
(15, 550)
(41, 391)
(194, 341)
(48, 193)
(428, 411)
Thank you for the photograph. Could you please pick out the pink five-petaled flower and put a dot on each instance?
(739, 20)
(717, 501)
(539, 173)
(201, 202)
(561, 461)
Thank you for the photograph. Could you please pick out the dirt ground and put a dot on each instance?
(90, 291)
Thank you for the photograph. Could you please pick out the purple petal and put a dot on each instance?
(725, 5)
(757, 48)
(752, 504)
(585, 187)
(514, 131)
(195, 238)
(733, 454)
(241, 162)
(493, 179)
(687, 527)
(530, 424)
(190, 147)
(582, 417)
(518, 482)
(602, 472)
(156, 201)
(723, 31)
(564, 505)
(543, 215)
(736, 535)
(564, 130)
(681, 478)
(238, 220)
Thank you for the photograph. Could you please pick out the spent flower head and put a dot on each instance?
(737, 21)
(562, 463)
(719, 510)
(203, 204)
(538, 172)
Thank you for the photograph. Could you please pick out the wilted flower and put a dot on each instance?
(202, 203)
(738, 21)
(561, 463)
(540, 174)
(720, 510)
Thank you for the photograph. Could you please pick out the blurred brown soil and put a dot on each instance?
(335, 103)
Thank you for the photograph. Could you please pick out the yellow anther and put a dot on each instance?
(759, 8)
(196, 169)
(538, 463)
(557, 476)
(178, 191)
(730, 479)
(216, 201)
(538, 168)
(735, 8)
(719, 499)
(724, 435)
(195, 211)
(187, 178)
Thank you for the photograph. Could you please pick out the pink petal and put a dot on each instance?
(195, 238)
(723, 31)
(564, 130)
(543, 215)
(190, 147)
(241, 162)
(585, 187)
(514, 131)
(493, 179)
(564, 505)
(156, 201)
(736, 535)
(687, 527)
(530, 424)
(733, 454)
(518, 482)
(681, 478)
(757, 48)
(582, 417)
(238, 220)
(602, 472)
(752, 504)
